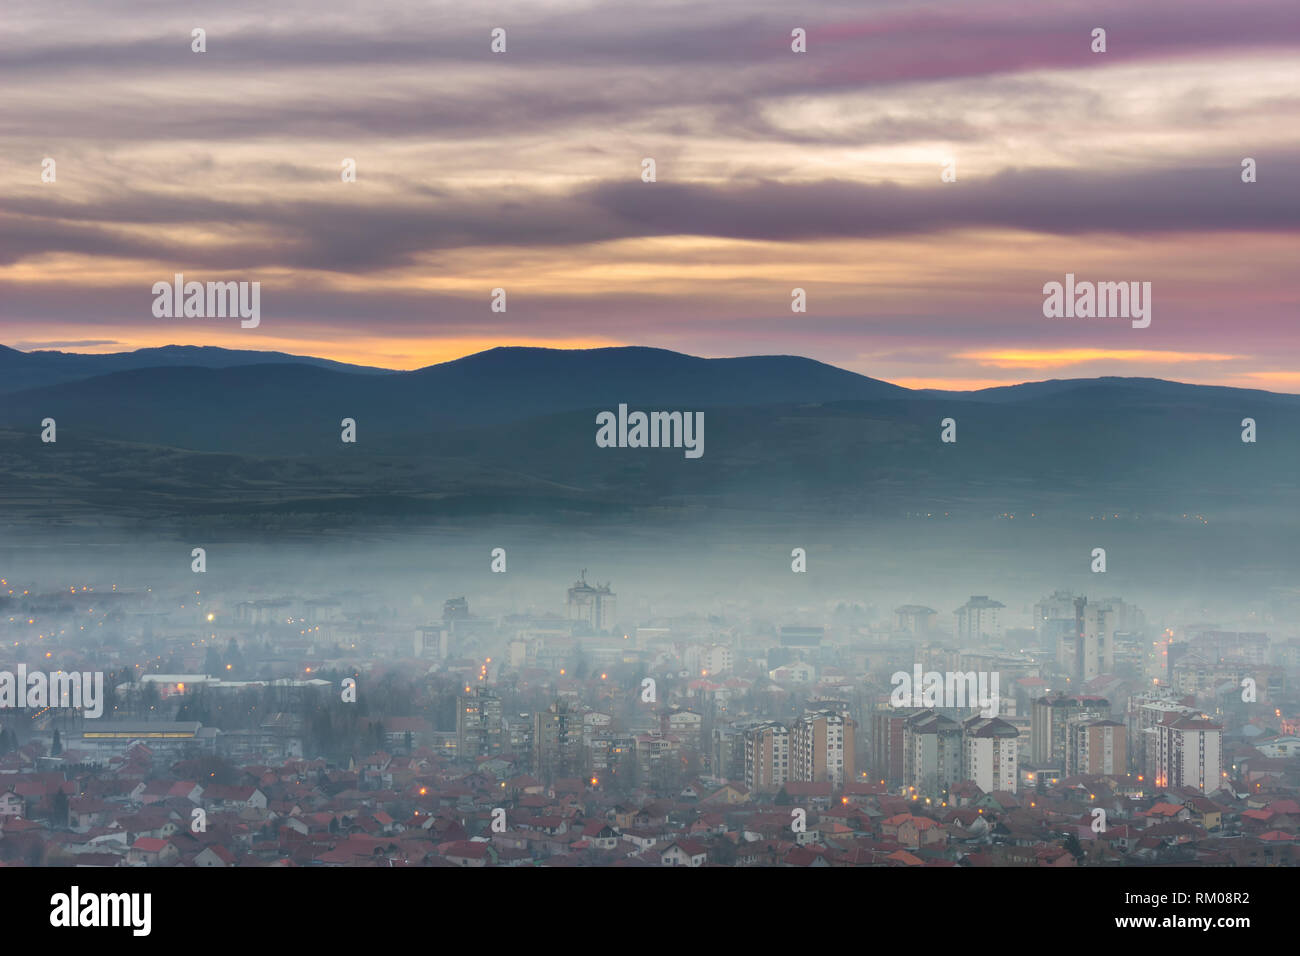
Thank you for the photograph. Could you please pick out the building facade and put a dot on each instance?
(821, 748)
(990, 752)
(767, 757)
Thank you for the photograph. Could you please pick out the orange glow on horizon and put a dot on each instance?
(951, 384)
(410, 353)
(1055, 358)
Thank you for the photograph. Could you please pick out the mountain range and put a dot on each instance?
(183, 430)
(221, 399)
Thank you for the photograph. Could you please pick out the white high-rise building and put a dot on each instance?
(1145, 713)
(978, 618)
(1189, 753)
(1095, 650)
(989, 753)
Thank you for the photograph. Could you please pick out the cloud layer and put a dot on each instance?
(775, 170)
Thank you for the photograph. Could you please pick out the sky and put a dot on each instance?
(774, 170)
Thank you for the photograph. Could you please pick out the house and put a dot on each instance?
(684, 853)
(796, 673)
(11, 805)
(997, 801)
(552, 826)
(155, 791)
(964, 794)
(86, 812)
(912, 832)
(214, 856)
(469, 853)
(1121, 838)
(1205, 813)
(600, 835)
(530, 786)
(903, 858)
(621, 817)
(347, 853)
(642, 837)
(151, 851)
(508, 856)
(805, 856)
(652, 815)
(1168, 813)
(728, 794)
(709, 823)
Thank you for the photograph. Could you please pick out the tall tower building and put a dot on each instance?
(932, 757)
(728, 756)
(821, 747)
(1049, 722)
(1145, 712)
(915, 619)
(594, 604)
(887, 746)
(989, 752)
(478, 724)
(1094, 646)
(557, 742)
(455, 609)
(658, 760)
(1096, 746)
(1055, 627)
(767, 757)
(978, 618)
(1189, 753)
(1056, 606)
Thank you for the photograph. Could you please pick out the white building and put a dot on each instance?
(1189, 754)
(1145, 713)
(1283, 747)
(978, 618)
(1095, 644)
(716, 659)
(796, 673)
(990, 748)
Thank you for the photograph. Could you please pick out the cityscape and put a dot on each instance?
(321, 729)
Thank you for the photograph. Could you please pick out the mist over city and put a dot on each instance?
(501, 640)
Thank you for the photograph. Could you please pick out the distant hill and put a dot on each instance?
(1106, 388)
(571, 378)
(22, 370)
(284, 407)
(512, 430)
